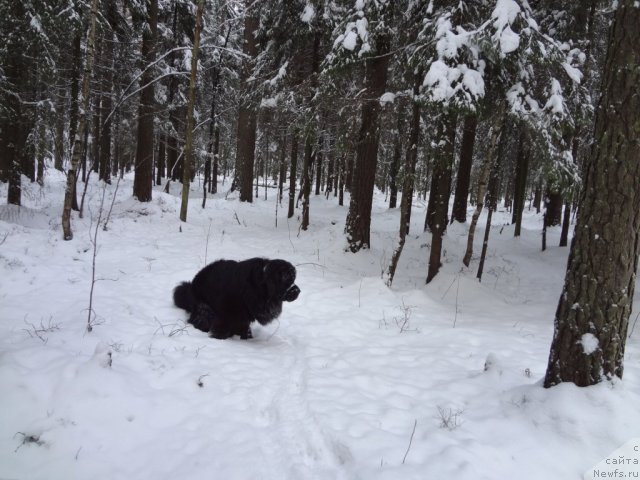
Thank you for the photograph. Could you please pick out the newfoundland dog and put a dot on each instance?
(226, 296)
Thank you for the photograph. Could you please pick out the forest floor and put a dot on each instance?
(354, 381)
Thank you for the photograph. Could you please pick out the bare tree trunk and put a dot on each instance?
(358, 223)
(143, 178)
(483, 180)
(247, 121)
(77, 141)
(520, 190)
(459, 211)
(441, 191)
(593, 311)
(293, 172)
(305, 182)
(188, 149)
(411, 158)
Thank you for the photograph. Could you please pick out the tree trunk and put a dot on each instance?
(593, 311)
(69, 194)
(358, 223)
(441, 190)
(397, 154)
(107, 86)
(566, 221)
(293, 173)
(247, 116)
(520, 189)
(411, 157)
(305, 182)
(143, 177)
(188, 149)
(459, 211)
(161, 159)
(483, 180)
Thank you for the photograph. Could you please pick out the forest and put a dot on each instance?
(399, 153)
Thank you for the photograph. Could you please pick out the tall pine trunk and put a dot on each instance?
(247, 116)
(358, 224)
(188, 149)
(592, 317)
(483, 180)
(411, 158)
(459, 211)
(441, 190)
(70, 194)
(293, 173)
(143, 178)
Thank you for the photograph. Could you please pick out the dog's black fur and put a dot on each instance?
(226, 296)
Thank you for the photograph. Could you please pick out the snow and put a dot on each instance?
(350, 40)
(333, 390)
(504, 15)
(387, 97)
(308, 14)
(589, 343)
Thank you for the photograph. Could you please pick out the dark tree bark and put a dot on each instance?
(305, 181)
(319, 157)
(161, 159)
(483, 180)
(70, 191)
(463, 182)
(143, 178)
(395, 161)
(441, 190)
(520, 187)
(107, 105)
(358, 224)
(188, 149)
(537, 196)
(293, 172)
(566, 221)
(411, 158)
(593, 311)
(247, 116)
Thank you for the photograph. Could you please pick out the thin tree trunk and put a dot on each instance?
(188, 150)
(411, 158)
(593, 311)
(520, 190)
(293, 173)
(77, 142)
(305, 182)
(483, 180)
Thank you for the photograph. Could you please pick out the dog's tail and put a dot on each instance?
(183, 296)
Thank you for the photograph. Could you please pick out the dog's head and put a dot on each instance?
(280, 277)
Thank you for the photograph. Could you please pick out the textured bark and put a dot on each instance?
(247, 116)
(593, 311)
(358, 224)
(106, 104)
(70, 194)
(463, 182)
(188, 149)
(143, 178)
(305, 181)
(409, 179)
(293, 173)
(397, 155)
(520, 187)
(483, 180)
(441, 190)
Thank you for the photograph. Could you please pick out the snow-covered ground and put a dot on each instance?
(355, 380)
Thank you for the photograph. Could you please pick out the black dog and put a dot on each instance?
(226, 296)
